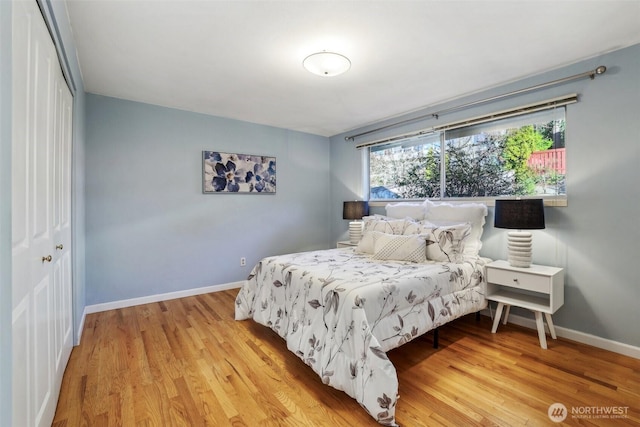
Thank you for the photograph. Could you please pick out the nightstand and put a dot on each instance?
(345, 244)
(537, 288)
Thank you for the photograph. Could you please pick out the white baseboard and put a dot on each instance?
(81, 326)
(96, 308)
(581, 337)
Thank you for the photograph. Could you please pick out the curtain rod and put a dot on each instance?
(591, 74)
(498, 115)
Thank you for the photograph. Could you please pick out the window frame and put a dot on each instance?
(549, 200)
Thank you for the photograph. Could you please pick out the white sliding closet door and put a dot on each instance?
(41, 219)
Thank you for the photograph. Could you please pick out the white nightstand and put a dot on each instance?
(345, 244)
(537, 288)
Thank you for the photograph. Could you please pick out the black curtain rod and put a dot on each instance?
(591, 74)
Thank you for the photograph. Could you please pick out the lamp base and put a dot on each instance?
(355, 231)
(519, 244)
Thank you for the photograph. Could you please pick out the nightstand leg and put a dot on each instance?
(552, 330)
(496, 320)
(541, 333)
(506, 315)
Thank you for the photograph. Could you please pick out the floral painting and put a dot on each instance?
(238, 173)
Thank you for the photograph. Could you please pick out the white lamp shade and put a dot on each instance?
(326, 64)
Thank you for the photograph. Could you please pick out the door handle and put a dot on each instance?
(47, 258)
(59, 247)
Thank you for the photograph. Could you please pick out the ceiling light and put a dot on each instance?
(326, 64)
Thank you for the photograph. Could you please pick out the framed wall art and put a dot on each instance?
(224, 173)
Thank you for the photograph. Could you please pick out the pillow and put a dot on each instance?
(378, 223)
(447, 244)
(420, 227)
(446, 214)
(399, 247)
(406, 210)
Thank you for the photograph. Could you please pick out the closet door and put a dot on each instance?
(61, 216)
(41, 226)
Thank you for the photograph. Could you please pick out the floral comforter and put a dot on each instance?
(340, 311)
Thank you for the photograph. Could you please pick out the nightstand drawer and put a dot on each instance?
(519, 280)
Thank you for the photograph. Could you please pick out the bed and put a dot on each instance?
(341, 310)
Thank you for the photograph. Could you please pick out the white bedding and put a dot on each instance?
(340, 311)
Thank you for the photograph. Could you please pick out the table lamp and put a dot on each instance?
(519, 214)
(355, 211)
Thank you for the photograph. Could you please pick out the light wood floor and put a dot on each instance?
(187, 362)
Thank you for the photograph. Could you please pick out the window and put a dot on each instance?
(516, 156)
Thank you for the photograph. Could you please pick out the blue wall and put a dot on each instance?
(596, 237)
(149, 228)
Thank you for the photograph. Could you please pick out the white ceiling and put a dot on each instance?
(243, 59)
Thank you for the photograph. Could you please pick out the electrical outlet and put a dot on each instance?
(243, 262)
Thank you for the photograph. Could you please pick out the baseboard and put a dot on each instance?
(96, 308)
(81, 326)
(113, 305)
(581, 337)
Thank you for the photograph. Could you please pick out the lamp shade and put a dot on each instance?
(521, 214)
(355, 210)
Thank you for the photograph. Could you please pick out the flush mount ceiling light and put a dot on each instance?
(326, 64)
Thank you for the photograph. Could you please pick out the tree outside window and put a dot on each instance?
(523, 157)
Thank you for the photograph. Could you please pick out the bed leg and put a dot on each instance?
(477, 316)
(435, 338)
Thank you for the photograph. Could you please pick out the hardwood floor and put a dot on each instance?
(187, 362)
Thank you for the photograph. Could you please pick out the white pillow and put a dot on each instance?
(421, 227)
(378, 223)
(473, 213)
(406, 210)
(400, 247)
(447, 244)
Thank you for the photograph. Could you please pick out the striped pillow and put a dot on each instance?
(411, 247)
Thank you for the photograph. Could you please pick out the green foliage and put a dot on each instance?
(482, 165)
(474, 169)
(422, 177)
(519, 145)
(554, 131)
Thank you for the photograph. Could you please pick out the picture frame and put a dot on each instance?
(232, 173)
